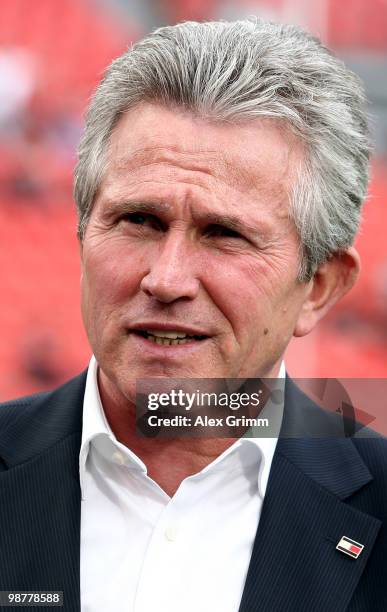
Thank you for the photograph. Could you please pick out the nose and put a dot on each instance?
(171, 274)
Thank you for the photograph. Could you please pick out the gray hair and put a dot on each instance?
(244, 70)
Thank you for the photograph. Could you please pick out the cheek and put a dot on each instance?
(259, 300)
(111, 275)
(237, 292)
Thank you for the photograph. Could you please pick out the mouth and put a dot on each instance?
(171, 337)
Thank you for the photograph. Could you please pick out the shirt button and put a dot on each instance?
(171, 533)
(118, 458)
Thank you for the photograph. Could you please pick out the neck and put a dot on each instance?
(170, 460)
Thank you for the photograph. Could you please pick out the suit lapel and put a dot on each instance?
(295, 566)
(40, 507)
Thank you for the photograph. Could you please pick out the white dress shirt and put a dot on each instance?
(143, 551)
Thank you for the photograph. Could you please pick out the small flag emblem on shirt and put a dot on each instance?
(350, 547)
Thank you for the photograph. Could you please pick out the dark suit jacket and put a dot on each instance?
(319, 490)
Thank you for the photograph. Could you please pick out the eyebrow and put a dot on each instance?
(136, 206)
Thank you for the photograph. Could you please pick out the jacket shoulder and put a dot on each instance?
(373, 450)
(29, 425)
(12, 409)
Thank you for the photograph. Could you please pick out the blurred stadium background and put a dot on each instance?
(52, 54)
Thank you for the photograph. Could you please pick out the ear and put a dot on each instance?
(331, 281)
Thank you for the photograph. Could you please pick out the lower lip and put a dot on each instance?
(166, 351)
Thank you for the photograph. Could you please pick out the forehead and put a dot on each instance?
(260, 154)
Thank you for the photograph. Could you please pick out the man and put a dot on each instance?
(219, 187)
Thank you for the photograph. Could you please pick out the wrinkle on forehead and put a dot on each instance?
(216, 164)
(204, 151)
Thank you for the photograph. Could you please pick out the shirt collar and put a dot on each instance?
(94, 420)
(266, 444)
(95, 426)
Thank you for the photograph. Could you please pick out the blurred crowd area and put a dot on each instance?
(52, 54)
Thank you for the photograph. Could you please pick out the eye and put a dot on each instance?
(215, 231)
(144, 219)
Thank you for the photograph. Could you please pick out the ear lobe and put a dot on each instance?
(331, 281)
